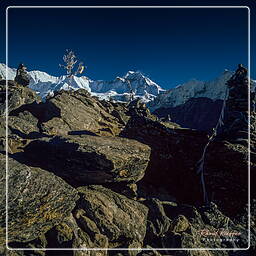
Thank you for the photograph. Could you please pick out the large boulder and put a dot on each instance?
(122, 220)
(21, 129)
(76, 112)
(22, 124)
(37, 201)
(158, 224)
(87, 159)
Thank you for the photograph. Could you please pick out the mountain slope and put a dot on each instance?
(196, 113)
(179, 95)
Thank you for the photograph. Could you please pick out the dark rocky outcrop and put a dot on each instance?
(227, 178)
(89, 159)
(150, 194)
(237, 110)
(174, 153)
(158, 223)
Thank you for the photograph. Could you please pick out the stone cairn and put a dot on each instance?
(22, 77)
(236, 116)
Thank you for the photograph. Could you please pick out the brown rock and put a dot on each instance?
(78, 112)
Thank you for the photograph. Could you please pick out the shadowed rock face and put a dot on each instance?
(37, 200)
(174, 154)
(89, 159)
(236, 119)
(226, 172)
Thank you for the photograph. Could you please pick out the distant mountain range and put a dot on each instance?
(194, 104)
(118, 89)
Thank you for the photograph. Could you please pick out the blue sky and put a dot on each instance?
(170, 46)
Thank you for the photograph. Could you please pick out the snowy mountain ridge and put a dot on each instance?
(215, 89)
(118, 89)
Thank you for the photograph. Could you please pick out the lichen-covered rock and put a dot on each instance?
(151, 252)
(89, 159)
(122, 220)
(179, 224)
(37, 200)
(89, 235)
(21, 129)
(2, 134)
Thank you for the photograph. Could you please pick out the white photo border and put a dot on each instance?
(125, 249)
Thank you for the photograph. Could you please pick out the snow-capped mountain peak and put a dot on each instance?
(121, 88)
(214, 89)
(118, 89)
(132, 81)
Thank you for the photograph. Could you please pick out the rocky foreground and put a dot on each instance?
(89, 173)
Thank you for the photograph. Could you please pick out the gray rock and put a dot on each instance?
(89, 159)
(121, 219)
(17, 96)
(24, 125)
(157, 222)
(37, 201)
(88, 235)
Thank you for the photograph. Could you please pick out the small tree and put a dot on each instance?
(70, 60)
